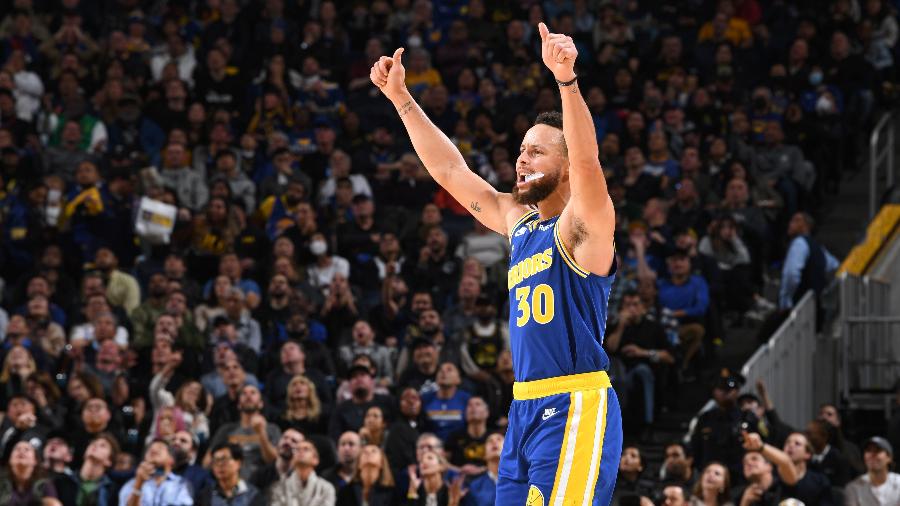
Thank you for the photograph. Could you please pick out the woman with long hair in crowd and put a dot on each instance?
(304, 409)
(18, 364)
(81, 387)
(374, 429)
(428, 488)
(713, 488)
(168, 421)
(205, 313)
(215, 230)
(47, 395)
(195, 403)
(24, 482)
(724, 244)
(190, 398)
(373, 483)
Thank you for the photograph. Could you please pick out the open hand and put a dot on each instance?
(414, 480)
(558, 52)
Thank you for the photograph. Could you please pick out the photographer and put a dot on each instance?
(764, 487)
(717, 436)
(769, 424)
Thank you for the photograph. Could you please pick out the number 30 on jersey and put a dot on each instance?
(537, 304)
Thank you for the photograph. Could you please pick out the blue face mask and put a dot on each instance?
(815, 78)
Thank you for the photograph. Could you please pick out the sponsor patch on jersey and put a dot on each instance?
(521, 231)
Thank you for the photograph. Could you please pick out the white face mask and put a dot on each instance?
(318, 248)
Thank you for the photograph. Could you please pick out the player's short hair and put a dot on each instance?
(550, 118)
(553, 119)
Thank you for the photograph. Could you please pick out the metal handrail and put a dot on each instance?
(876, 156)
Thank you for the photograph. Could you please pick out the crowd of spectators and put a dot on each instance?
(323, 324)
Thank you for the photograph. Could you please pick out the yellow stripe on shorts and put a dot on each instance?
(579, 459)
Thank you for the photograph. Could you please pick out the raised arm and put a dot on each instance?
(441, 158)
(589, 218)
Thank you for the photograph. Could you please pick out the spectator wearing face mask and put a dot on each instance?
(326, 265)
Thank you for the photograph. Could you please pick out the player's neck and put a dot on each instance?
(554, 204)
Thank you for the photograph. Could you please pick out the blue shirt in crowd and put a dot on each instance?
(445, 416)
(692, 297)
(171, 491)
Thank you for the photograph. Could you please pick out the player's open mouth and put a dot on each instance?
(527, 178)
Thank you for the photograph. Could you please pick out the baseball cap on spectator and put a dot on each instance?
(747, 397)
(219, 321)
(881, 443)
(678, 253)
(361, 197)
(729, 381)
(358, 369)
(420, 342)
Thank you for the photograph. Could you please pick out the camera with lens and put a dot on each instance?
(749, 421)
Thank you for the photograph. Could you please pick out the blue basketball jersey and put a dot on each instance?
(557, 311)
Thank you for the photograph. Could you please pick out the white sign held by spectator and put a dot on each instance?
(155, 220)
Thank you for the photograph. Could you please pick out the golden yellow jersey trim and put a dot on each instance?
(567, 257)
(526, 390)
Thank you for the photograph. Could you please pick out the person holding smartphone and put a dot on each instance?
(154, 483)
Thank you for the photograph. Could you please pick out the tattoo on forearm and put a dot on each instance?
(475, 207)
(405, 108)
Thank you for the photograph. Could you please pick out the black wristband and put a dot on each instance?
(567, 83)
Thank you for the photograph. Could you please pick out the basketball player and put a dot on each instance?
(564, 438)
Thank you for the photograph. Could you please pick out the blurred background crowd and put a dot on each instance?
(322, 324)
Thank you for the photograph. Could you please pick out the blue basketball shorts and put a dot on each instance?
(563, 443)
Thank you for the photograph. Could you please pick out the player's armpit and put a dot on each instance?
(586, 231)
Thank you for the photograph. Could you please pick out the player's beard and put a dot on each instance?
(537, 191)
